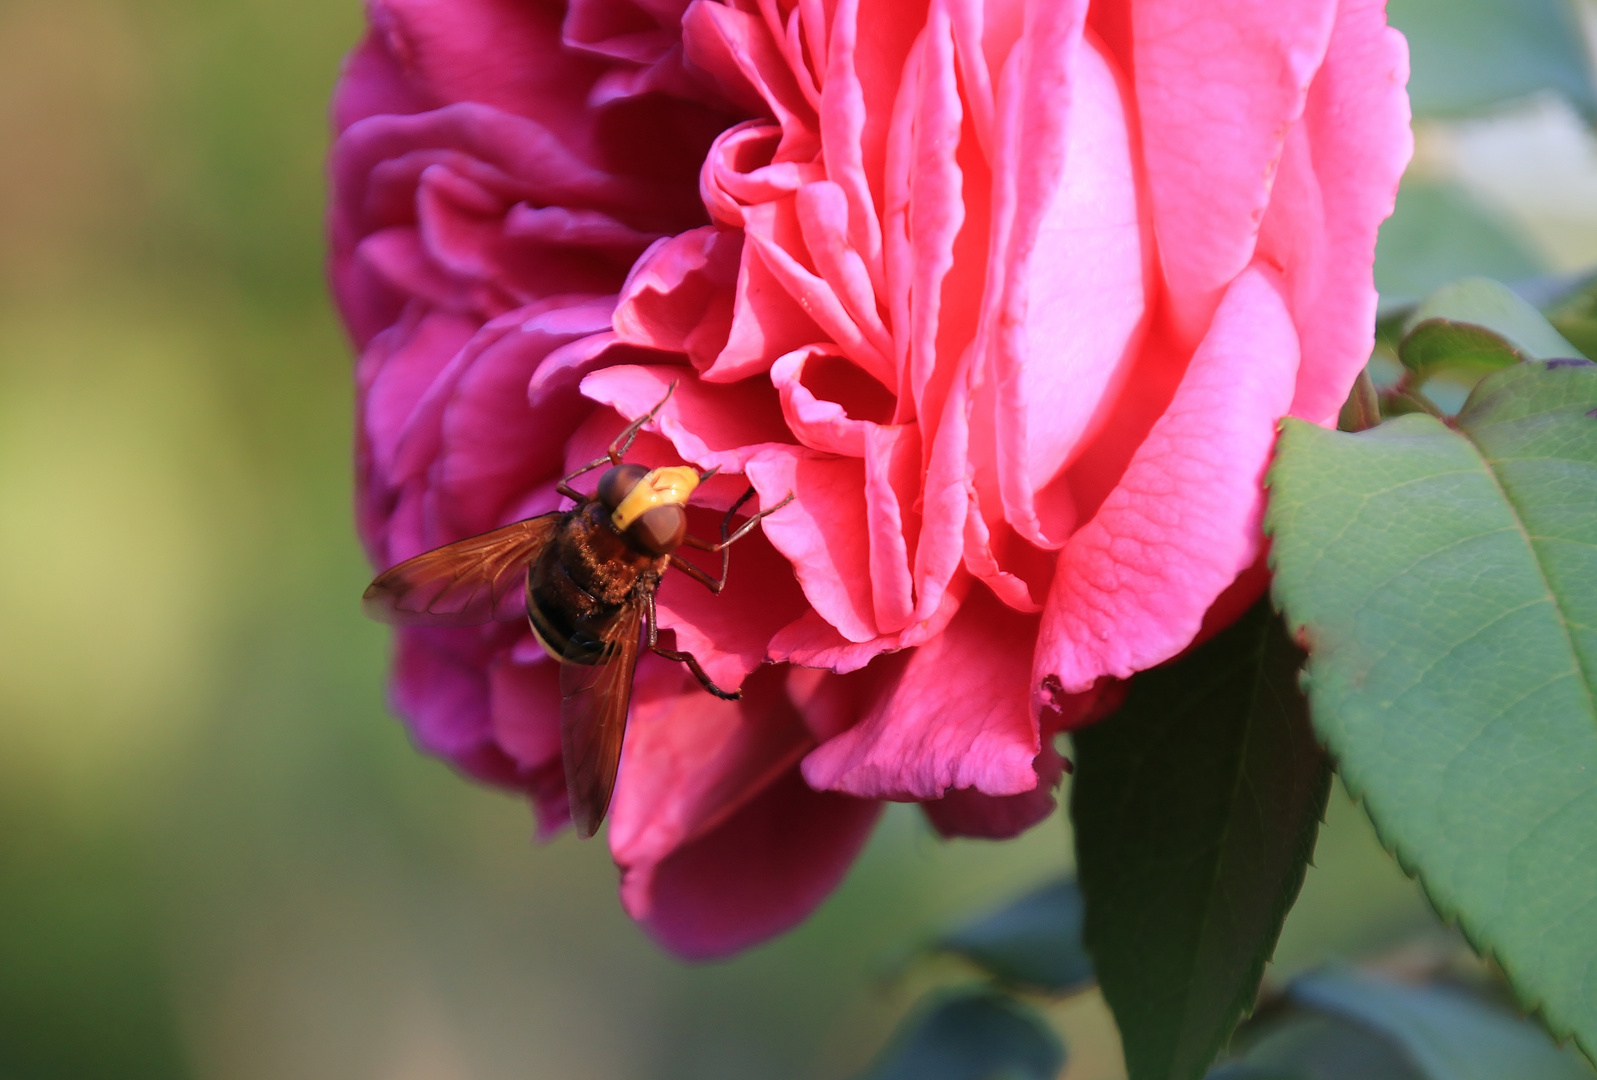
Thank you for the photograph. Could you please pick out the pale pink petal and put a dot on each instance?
(716, 34)
(828, 402)
(767, 323)
(710, 425)
(1218, 88)
(892, 482)
(813, 642)
(1133, 583)
(1332, 194)
(868, 48)
(739, 172)
(775, 233)
(820, 532)
(931, 733)
(1077, 254)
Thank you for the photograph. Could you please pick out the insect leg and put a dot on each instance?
(728, 537)
(619, 447)
(623, 441)
(684, 657)
(702, 577)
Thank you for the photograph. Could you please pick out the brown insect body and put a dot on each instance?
(585, 580)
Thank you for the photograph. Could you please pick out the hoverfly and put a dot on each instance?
(585, 578)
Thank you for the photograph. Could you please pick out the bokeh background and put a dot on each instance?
(219, 856)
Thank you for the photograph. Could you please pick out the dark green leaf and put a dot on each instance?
(1477, 324)
(1446, 1034)
(1575, 316)
(1308, 1045)
(1033, 942)
(1445, 581)
(1195, 809)
(1437, 234)
(1242, 1071)
(1467, 55)
(971, 1035)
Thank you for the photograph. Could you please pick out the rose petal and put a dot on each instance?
(1077, 254)
(970, 812)
(821, 532)
(1337, 182)
(719, 842)
(931, 733)
(1134, 583)
(1217, 95)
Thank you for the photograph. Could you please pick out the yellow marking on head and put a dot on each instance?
(661, 487)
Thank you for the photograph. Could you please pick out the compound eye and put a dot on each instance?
(617, 483)
(659, 530)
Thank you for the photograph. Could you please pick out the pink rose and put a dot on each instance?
(1010, 296)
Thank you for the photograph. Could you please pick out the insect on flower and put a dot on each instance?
(585, 578)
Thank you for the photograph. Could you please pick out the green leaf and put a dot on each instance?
(1446, 1034)
(1467, 55)
(1477, 324)
(1575, 316)
(1034, 942)
(1445, 581)
(1195, 809)
(971, 1035)
(1438, 234)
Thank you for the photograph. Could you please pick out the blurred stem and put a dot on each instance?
(1362, 409)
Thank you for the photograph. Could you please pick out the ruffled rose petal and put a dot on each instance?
(831, 559)
(719, 842)
(1134, 583)
(713, 427)
(930, 732)
(971, 812)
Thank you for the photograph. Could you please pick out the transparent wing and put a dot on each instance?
(477, 580)
(593, 719)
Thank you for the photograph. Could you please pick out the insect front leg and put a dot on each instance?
(728, 538)
(683, 657)
(618, 448)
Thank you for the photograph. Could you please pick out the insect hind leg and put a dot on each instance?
(684, 657)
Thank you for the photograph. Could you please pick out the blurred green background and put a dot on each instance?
(219, 856)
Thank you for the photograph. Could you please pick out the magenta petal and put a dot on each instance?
(959, 717)
(678, 297)
(1134, 583)
(524, 700)
(762, 871)
(719, 841)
